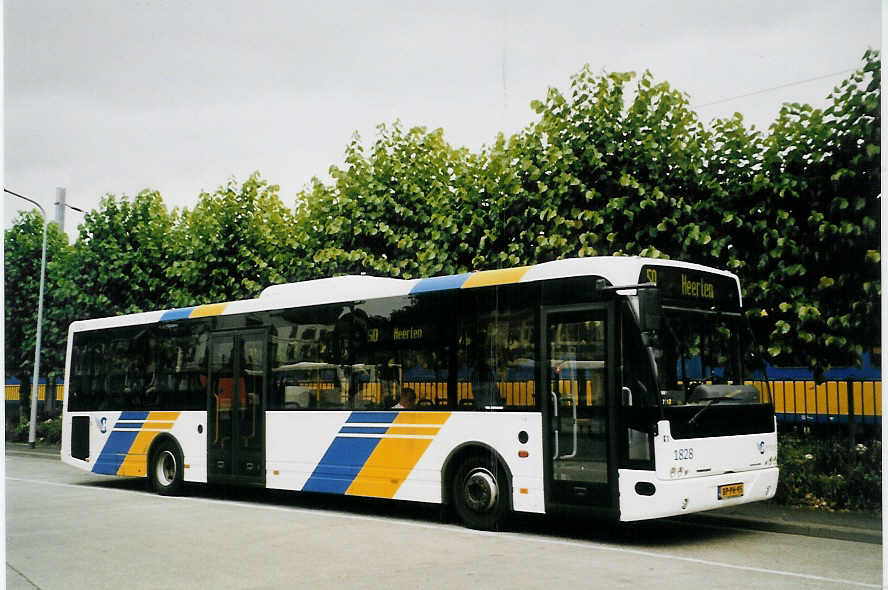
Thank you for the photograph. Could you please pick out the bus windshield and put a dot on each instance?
(702, 357)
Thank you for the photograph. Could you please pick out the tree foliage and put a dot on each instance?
(609, 169)
(118, 263)
(234, 243)
(812, 221)
(23, 244)
(390, 211)
(617, 164)
(602, 175)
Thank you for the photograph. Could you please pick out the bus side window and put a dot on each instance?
(496, 350)
(86, 367)
(176, 374)
(305, 373)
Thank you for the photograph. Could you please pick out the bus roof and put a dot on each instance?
(618, 270)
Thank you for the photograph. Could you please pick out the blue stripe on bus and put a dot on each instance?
(372, 417)
(114, 452)
(340, 465)
(133, 416)
(176, 314)
(444, 283)
(363, 430)
(129, 425)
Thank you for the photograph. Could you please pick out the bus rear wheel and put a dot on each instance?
(165, 468)
(480, 493)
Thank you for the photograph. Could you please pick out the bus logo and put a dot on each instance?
(762, 447)
(102, 423)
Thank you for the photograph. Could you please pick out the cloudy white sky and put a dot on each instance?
(116, 96)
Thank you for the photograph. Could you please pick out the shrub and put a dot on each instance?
(49, 431)
(16, 431)
(829, 474)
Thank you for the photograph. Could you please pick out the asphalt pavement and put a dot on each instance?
(763, 516)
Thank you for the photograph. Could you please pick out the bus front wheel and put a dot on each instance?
(480, 493)
(165, 469)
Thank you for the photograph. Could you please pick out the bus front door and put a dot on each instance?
(578, 381)
(236, 416)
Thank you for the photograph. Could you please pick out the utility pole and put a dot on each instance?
(60, 207)
(61, 204)
(50, 392)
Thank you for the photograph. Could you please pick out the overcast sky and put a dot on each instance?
(117, 96)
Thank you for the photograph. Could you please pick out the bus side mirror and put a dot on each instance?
(650, 309)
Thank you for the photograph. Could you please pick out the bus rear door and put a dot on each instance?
(236, 404)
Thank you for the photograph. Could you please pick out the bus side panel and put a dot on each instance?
(119, 441)
(98, 432)
(498, 431)
(398, 455)
(190, 431)
(296, 442)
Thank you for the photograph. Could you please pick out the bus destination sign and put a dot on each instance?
(691, 287)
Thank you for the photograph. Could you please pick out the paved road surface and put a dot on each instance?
(68, 529)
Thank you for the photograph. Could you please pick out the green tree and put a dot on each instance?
(235, 242)
(612, 170)
(812, 210)
(615, 166)
(118, 263)
(794, 212)
(22, 254)
(598, 175)
(390, 212)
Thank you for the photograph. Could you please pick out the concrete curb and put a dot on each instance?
(838, 532)
(23, 450)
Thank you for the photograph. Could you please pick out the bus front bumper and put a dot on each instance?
(643, 496)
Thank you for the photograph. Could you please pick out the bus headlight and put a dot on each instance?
(678, 472)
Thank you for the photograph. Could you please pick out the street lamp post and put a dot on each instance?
(32, 430)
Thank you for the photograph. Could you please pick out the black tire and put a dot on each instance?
(166, 468)
(480, 493)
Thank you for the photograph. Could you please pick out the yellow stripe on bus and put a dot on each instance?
(163, 416)
(393, 459)
(487, 278)
(202, 311)
(388, 466)
(422, 418)
(136, 462)
(158, 425)
(426, 430)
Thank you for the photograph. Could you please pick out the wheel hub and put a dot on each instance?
(166, 468)
(480, 490)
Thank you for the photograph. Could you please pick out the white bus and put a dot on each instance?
(615, 385)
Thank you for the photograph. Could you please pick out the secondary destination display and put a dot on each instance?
(396, 334)
(690, 287)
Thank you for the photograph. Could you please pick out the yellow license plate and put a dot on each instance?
(731, 490)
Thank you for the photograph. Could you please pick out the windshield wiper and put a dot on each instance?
(708, 405)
